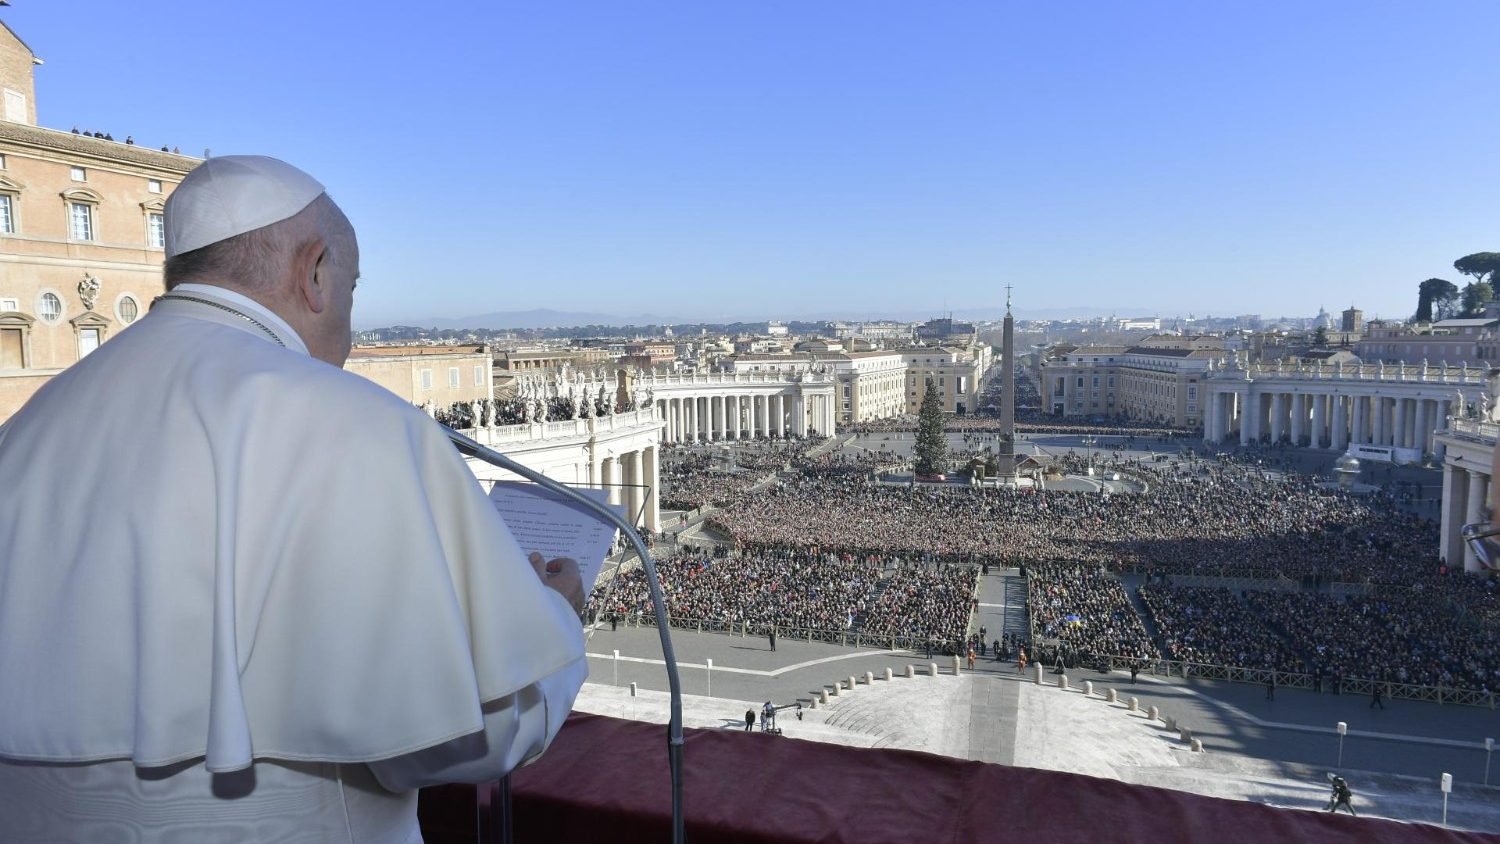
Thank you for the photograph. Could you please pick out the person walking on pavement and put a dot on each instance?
(1271, 687)
(1342, 796)
(1134, 670)
(771, 635)
(1378, 698)
(749, 720)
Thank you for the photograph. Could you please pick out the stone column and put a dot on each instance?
(674, 424)
(1475, 513)
(1398, 423)
(1442, 409)
(1377, 420)
(1340, 423)
(1246, 415)
(651, 466)
(1299, 418)
(1356, 419)
(1209, 419)
(609, 471)
(1423, 440)
(1454, 497)
(734, 416)
(1278, 416)
(1319, 408)
(635, 494)
(778, 416)
(764, 409)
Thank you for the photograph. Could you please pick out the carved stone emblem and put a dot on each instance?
(88, 291)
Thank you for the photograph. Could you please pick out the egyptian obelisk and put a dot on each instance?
(1006, 460)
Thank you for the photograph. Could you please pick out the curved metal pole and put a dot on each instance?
(674, 724)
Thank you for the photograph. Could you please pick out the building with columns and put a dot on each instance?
(1468, 447)
(871, 385)
(712, 407)
(718, 406)
(619, 453)
(1398, 406)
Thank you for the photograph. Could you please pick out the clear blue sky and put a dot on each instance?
(753, 159)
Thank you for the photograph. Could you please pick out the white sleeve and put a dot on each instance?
(517, 728)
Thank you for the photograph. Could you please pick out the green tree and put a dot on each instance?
(1482, 266)
(1435, 299)
(1320, 337)
(1475, 297)
(932, 444)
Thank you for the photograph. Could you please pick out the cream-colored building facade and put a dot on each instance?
(957, 372)
(1148, 382)
(81, 235)
(430, 376)
(882, 384)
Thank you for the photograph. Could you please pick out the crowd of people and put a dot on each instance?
(1398, 635)
(1219, 520)
(703, 475)
(790, 589)
(833, 548)
(1212, 625)
(1086, 611)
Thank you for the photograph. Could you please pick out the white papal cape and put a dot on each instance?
(221, 555)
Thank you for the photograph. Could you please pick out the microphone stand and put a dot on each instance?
(474, 449)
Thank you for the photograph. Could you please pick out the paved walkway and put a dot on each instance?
(1409, 737)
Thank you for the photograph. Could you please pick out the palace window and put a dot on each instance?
(7, 215)
(127, 309)
(156, 231)
(49, 307)
(80, 221)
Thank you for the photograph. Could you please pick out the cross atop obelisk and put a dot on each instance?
(1007, 299)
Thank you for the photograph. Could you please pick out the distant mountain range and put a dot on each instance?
(550, 318)
(540, 318)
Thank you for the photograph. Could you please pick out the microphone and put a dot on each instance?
(478, 451)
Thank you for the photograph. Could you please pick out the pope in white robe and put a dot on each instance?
(247, 596)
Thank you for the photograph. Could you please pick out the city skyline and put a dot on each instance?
(738, 163)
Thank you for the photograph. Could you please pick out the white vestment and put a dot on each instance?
(226, 562)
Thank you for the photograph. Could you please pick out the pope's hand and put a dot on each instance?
(561, 574)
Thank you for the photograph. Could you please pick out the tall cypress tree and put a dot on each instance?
(932, 445)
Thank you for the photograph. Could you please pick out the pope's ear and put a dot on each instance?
(307, 275)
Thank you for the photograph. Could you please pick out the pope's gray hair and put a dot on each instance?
(253, 261)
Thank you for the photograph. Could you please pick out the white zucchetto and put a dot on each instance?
(231, 195)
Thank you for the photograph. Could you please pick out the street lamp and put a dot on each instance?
(1343, 727)
(709, 674)
(1088, 440)
(1447, 785)
(1489, 745)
